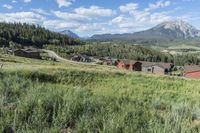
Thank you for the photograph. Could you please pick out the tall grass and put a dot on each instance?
(82, 101)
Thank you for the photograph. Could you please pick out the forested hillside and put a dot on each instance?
(18, 34)
(123, 51)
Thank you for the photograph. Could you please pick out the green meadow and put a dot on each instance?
(44, 96)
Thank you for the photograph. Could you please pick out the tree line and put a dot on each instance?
(123, 51)
(21, 34)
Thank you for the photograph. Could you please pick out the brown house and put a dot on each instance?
(157, 68)
(129, 65)
(192, 72)
(81, 58)
(29, 53)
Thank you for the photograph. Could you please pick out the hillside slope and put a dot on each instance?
(54, 97)
(18, 34)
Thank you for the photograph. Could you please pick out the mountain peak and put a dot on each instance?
(69, 33)
(181, 28)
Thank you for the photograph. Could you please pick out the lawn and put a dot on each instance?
(45, 96)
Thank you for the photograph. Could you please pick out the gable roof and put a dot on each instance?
(165, 65)
(160, 64)
(191, 68)
(147, 64)
(28, 50)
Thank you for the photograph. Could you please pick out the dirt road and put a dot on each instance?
(55, 56)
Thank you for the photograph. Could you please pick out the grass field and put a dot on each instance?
(44, 96)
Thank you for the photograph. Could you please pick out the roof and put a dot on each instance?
(25, 50)
(160, 64)
(129, 61)
(165, 65)
(82, 56)
(147, 64)
(191, 68)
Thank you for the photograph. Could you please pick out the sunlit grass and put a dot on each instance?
(45, 96)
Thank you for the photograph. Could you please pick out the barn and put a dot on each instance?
(192, 72)
(129, 65)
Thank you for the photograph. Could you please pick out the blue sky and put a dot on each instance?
(88, 17)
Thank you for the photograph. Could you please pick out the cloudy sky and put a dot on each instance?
(88, 17)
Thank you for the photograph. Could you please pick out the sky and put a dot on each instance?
(89, 17)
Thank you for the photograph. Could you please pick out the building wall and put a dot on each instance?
(121, 65)
(154, 69)
(159, 70)
(193, 75)
(21, 53)
(137, 66)
(147, 69)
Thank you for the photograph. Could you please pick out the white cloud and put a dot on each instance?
(128, 7)
(63, 3)
(84, 14)
(7, 6)
(27, 1)
(14, 1)
(137, 19)
(40, 11)
(70, 16)
(24, 17)
(94, 11)
(157, 18)
(82, 20)
(158, 4)
(96, 27)
(60, 24)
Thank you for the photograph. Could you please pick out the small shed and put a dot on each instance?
(192, 71)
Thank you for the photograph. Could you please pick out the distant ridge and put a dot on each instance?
(166, 31)
(70, 33)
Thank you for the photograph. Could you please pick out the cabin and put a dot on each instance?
(192, 72)
(157, 68)
(81, 58)
(28, 53)
(129, 65)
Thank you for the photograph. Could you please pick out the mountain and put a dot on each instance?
(70, 33)
(166, 31)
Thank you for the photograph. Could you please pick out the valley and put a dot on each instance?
(51, 82)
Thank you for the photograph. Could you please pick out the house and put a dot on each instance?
(29, 53)
(157, 68)
(192, 72)
(129, 65)
(108, 61)
(81, 58)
